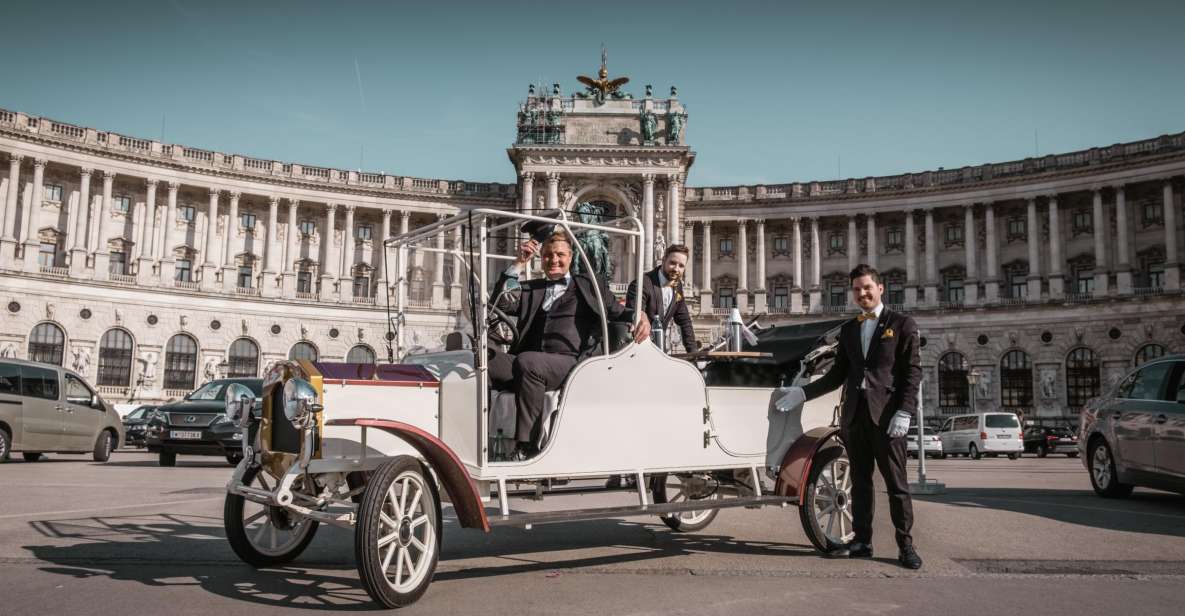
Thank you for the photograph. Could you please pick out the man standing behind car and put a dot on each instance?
(662, 295)
(878, 363)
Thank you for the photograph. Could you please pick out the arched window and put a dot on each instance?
(1082, 377)
(115, 359)
(1016, 381)
(1149, 352)
(953, 390)
(303, 350)
(47, 344)
(180, 362)
(243, 359)
(360, 354)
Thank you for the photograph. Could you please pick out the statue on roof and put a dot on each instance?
(602, 87)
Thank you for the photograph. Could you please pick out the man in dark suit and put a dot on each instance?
(662, 295)
(559, 323)
(878, 364)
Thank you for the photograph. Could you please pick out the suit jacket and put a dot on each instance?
(893, 368)
(527, 305)
(652, 305)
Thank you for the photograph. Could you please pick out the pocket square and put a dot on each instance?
(888, 333)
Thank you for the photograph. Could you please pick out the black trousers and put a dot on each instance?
(869, 445)
(529, 375)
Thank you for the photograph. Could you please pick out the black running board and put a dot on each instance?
(600, 513)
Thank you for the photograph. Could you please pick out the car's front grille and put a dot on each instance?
(193, 420)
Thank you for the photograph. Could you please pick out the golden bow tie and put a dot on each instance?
(860, 318)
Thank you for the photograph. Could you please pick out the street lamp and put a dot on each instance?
(972, 381)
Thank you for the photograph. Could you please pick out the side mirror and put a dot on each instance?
(96, 403)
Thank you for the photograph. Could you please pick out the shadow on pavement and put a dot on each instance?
(1159, 513)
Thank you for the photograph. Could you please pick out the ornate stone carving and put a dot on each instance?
(210, 368)
(82, 358)
(1048, 380)
(148, 361)
(983, 386)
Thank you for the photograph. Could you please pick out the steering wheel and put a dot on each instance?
(500, 328)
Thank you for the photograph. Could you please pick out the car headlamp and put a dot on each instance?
(300, 402)
(239, 401)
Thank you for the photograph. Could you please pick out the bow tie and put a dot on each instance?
(860, 318)
(552, 283)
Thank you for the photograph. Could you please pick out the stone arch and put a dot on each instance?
(606, 192)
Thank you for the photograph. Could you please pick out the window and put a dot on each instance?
(10, 379)
(304, 281)
(895, 239)
(1084, 281)
(118, 264)
(47, 344)
(954, 290)
(246, 274)
(363, 232)
(1018, 286)
(1083, 222)
(1147, 383)
(360, 354)
(1156, 275)
(781, 244)
(967, 422)
(180, 362)
(1153, 214)
(837, 295)
(39, 382)
(954, 392)
(247, 221)
(1000, 420)
(1149, 352)
(243, 359)
(121, 203)
(115, 359)
(53, 192)
(1082, 377)
(781, 297)
(361, 286)
(184, 271)
(1018, 229)
(186, 213)
(725, 298)
(77, 392)
(954, 234)
(894, 292)
(726, 247)
(303, 350)
(835, 242)
(47, 255)
(1016, 381)
(308, 228)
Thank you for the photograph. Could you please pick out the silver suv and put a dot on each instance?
(1134, 435)
(48, 408)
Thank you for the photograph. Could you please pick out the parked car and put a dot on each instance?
(982, 433)
(1044, 440)
(46, 408)
(930, 442)
(1134, 435)
(197, 424)
(135, 425)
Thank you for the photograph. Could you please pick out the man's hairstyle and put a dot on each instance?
(558, 236)
(865, 270)
(679, 248)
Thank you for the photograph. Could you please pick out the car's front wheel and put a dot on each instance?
(233, 458)
(826, 507)
(264, 535)
(1103, 476)
(5, 445)
(103, 446)
(397, 536)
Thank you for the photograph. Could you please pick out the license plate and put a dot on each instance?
(185, 434)
(1003, 436)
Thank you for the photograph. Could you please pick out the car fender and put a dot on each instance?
(796, 465)
(449, 469)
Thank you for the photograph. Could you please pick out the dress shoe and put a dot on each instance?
(857, 549)
(837, 551)
(909, 558)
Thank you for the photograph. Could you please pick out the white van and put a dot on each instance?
(982, 433)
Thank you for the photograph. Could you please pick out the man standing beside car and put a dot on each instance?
(878, 363)
(662, 295)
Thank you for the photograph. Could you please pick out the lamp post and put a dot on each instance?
(972, 381)
(923, 485)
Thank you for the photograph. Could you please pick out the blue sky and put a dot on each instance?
(776, 91)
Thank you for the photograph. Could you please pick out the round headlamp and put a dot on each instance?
(239, 400)
(300, 402)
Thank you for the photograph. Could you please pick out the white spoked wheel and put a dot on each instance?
(826, 507)
(397, 540)
(264, 535)
(682, 489)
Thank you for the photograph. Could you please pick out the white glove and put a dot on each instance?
(793, 398)
(899, 425)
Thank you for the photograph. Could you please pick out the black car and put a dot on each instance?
(135, 425)
(198, 425)
(1044, 440)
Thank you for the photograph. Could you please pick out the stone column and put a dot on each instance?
(1034, 252)
(853, 244)
(1123, 270)
(147, 235)
(456, 295)
(78, 240)
(931, 289)
(32, 213)
(329, 254)
(689, 242)
(1057, 282)
(971, 282)
(647, 251)
(991, 266)
(229, 273)
(209, 253)
(268, 287)
(98, 230)
(742, 291)
(292, 233)
(872, 252)
(705, 289)
(796, 246)
(816, 291)
(553, 190)
(761, 298)
(525, 199)
(674, 182)
(1101, 276)
(346, 287)
(438, 299)
(168, 263)
(911, 261)
(404, 266)
(1172, 267)
(8, 240)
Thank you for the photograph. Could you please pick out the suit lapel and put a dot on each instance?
(877, 334)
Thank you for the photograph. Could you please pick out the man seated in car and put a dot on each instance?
(559, 323)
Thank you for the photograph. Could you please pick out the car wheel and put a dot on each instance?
(103, 446)
(398, 534)
(673, 488)
(5, 445)
(1103, 476)
(826, 507)
(167, 458)
(1072, 454)
(264, 535)
(234, 458)
(1042, 451)
(31, 456)
(1013, 456)
(973, 452)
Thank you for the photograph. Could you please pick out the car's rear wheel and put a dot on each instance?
(5, 445)
(264, 535)
(973, 452)
(31, 456)
(167, 458)
(1103, 476)
(681, 489)
(1013, 456)
(103, 446)
(826, 507)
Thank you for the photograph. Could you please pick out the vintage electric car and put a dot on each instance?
(379, 448)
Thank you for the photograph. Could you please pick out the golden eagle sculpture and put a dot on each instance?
(602, 87)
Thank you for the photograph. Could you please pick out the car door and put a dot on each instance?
(81, 421)
(1170, 427)
(41, 410)
(11, 402)
(1132, 415)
